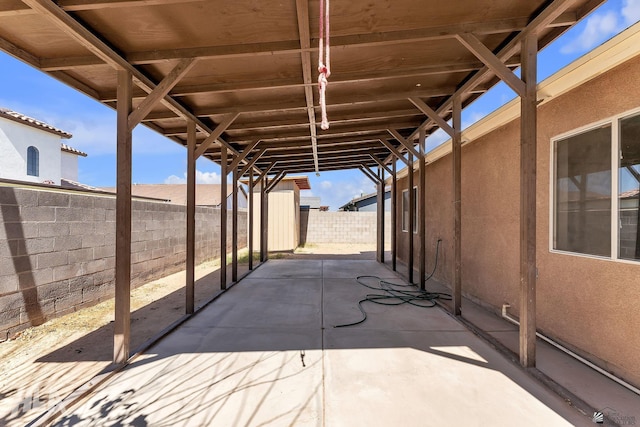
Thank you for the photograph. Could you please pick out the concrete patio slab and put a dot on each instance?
(341, 298)
(259, 355)
(339, 269)
(282, 268)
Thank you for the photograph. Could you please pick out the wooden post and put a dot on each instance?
(380, 219)
(422, 206)
(412, 204)
(382, 213)
(234, 227)
(122, 322)
(223, 218)
(191, 217)
(528, 138)
(456, 149)
(394, 213)
(264, 221)
(250, 220)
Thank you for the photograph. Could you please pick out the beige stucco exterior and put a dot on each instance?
(590, 304)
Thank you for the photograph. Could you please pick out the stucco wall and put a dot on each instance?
(57, 249)
(590, 304)
(69, 166)
(14, 141)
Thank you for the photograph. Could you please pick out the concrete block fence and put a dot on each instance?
(57, 250)
(341, 227)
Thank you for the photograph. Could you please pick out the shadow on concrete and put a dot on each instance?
(255, 338)
(146, 322)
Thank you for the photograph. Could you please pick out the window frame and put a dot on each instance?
(614, 122)
(35, 160)
(403, 225)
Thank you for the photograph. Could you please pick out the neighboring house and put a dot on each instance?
(307, 203)
(32, 150)
(206, 194)
(283, 213)
(367, 203)
(587, 197)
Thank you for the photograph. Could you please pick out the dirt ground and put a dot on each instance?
(43, 364)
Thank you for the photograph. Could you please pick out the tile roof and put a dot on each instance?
(30, 121)
(69, 149)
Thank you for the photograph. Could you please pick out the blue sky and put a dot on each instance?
(159, 160)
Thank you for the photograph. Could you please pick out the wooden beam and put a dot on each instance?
(407, 144)
(336, 101)
(365, 170)
(19, 53)
(354, 41)
(250, 163)
(213, 136)
(265, 172)
(302, 9)
(264, 219)
(276, 180)
(57, 64)
(394, 215)
(78, 5)
(457, 206)
(295, 167)
(243, 155)
(122, 319)
(528, 144)
(160, 91)
(395, 152)
(380, 215)
(429, 112)
(381, 164)
(422, 212)
(369, 147)
(475, 46)
(106, 54)
(191, 219)
(327, 142)
(412, 204)
(545, 18)
(223, 218)
(234, 225)
(250, 214)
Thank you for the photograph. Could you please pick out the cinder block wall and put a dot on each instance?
(340, 227)
(57, 250)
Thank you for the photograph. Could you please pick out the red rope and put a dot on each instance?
(324, 61)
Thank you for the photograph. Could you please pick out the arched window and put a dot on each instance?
(33, 161)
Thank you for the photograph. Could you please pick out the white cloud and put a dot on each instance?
(598, 28)
(201, 178)
(631, 11)
(325, 185)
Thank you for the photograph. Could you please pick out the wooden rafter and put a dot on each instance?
(160, 91)
(215, 135)
(302, 8)
(292, 47)
(475, 46)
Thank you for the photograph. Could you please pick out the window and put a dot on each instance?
(33, 161)
(405, 210)
(629, 188)
(596, 193)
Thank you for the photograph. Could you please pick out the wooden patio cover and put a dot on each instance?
(246, 70)
(236, 82)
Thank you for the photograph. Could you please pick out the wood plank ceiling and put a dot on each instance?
(248, 68)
